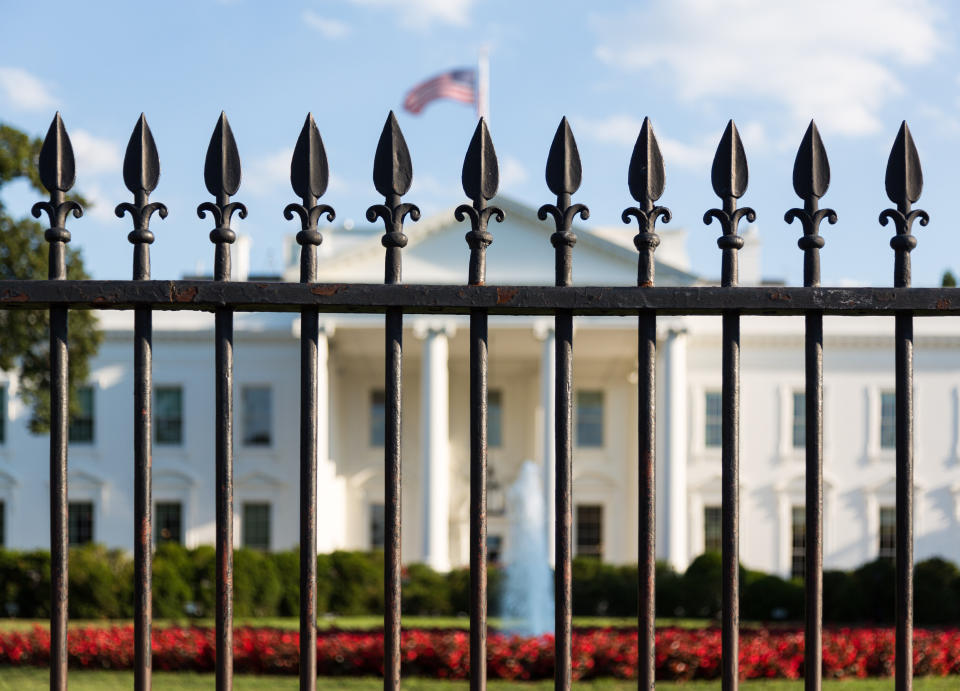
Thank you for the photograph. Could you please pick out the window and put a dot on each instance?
(713, 419)
(888, 420)
(256, 525)
(589, 418)
(168, 414)
(495, 418)
(168, 522)
(589, 531)
(80, 522)
(494, 549)
(3, 524)
(81, 423)
(378, 526)
(798, 541)
(712, 529)
(378, 417)
(799, 419)
(257, 415)
(888, 533)
(3, 414)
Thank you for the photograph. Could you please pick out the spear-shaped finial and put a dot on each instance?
(480, 178)
(141, 172)
(221, 173)
(309, 176)
(392, 175)
(563, 176)
(646, 179)
(811, 178)
(904, 183)
(57, 170)
(729, 179)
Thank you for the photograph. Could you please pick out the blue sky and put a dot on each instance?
(859, 67)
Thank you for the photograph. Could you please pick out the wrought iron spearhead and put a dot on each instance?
(729, 179)
(141, 172)
(646, 180)
(563, 176)
(811, 178)
(57, 170)
(904, 183)
(309, 175)
(392, 175)
(481, 177)
(221, 173)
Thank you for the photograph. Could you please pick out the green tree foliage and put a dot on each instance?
(948, 280)
(25, 334)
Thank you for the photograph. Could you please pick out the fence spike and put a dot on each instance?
(811, 178)
(646, 180)
(563, 161)
(646, 177)
(309, 173)
(904, 178)
(729, 172)
(141, 163)
(56, 165)
(141, 172)
(392, 167)
(811, 169)
(480, 179)
(481, 174)
(221, 171)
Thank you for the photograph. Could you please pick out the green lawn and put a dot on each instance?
(12, 679)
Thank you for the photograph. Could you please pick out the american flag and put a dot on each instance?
(459, 84)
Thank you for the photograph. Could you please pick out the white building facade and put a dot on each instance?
(858, 420)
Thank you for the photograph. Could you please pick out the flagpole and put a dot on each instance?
(483, 84)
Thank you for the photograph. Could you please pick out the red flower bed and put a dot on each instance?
(444, 653)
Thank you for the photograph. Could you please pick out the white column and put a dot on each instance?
(544, 332)
(330, 497)
(434, 413)
(675, 453)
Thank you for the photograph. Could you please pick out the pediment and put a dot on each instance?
(521, 253)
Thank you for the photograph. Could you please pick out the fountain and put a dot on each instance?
(528, 579)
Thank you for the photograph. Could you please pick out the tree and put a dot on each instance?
(25, 334)
(948, 280)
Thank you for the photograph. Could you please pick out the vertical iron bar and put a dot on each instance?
(646, 441)
(309, 337)
(224, 498)
(813, 503)
(59, 419)
(564, 497)
(904, 558)
(142, 479)
(392, 564)
(730, 500)
(478, 499)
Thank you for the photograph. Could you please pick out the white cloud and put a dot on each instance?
(512, 172)
(622, 130)
(266, 174)
(96, 155)
(24, 90)
(328, 28)
(420, 14)
(835, 61)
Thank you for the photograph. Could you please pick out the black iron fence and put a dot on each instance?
(392, 174)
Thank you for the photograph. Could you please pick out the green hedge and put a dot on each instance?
(351, 583)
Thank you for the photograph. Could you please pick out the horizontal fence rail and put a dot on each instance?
(392, 176)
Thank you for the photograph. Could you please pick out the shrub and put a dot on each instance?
(172, 572)
(770, 597)
(359, 582)
(100, 583)
(424, 591)
(935, 600)
(256, 585)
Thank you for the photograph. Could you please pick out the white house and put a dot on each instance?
(858, 405)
